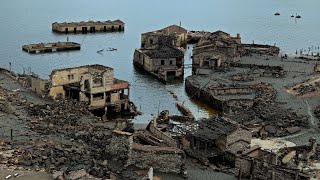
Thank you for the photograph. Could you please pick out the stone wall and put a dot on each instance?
(270, 71)
(232, 90)
(161, 135)
(207, 95)
(239, 140)
(78, 28)
(38, 85)
(238, 105)
(257, 169)
(163, 159)
(203, 95)
(120, 146)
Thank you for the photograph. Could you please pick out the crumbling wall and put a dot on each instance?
(271, 71)
(257, 169)
(38, 85)
(232, 90)
(233, 105)
(203, 95)
(120, 147)
(161, 135)
(163, 159)
(238, 140)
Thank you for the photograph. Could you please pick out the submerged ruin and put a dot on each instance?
(51, 47)
(90, 26)
(161, 54)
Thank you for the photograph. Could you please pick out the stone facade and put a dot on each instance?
(163, 159)
(94, 84)
(239, 140)
(160, 60)
(39, 86)
(216, 44)
(120, 146)
(173, 35)
(90, 26)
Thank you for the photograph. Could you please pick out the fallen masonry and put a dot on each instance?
(64, 138)
(296, 162)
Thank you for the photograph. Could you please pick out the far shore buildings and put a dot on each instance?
(51, 47)
(161, 53)
(90, 26)
(94, 84)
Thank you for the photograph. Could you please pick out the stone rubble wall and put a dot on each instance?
(265, 171)
(161, 135)
(163, 159)
(203, 95)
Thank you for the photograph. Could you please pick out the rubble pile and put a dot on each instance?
(317, 112)
(307, 88)
(274, 120)
(56, 117)
(73, 141)
(64, 160)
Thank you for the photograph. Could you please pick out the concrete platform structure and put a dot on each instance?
(51, 47)
(90, 26)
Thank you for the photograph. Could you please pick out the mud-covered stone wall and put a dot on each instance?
(203, 95)
(163, 159)
(257, 169)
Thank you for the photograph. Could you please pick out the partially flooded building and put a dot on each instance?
(89, 26)
(94, 84)
(51, 47)
(174, 35)
(161, 60)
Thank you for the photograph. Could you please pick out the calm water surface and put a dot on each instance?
(24, 22)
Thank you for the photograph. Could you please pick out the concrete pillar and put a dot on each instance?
(272, 173)
(128, 93)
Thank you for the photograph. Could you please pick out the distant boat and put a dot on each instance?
(100, 51)
(298, 16)
(292, 15)
(277, 14)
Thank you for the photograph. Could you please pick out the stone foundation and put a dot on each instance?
(163, 159)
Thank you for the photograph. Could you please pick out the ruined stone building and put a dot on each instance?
(213, 45)
(90, 26)
(161, 60)
(212, 137)
(174, 35)
(162, 159)
(284, 163)
(94, 84)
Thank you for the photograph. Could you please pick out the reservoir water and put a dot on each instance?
(25, 22)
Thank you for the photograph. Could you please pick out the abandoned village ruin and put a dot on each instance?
(79, 123)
